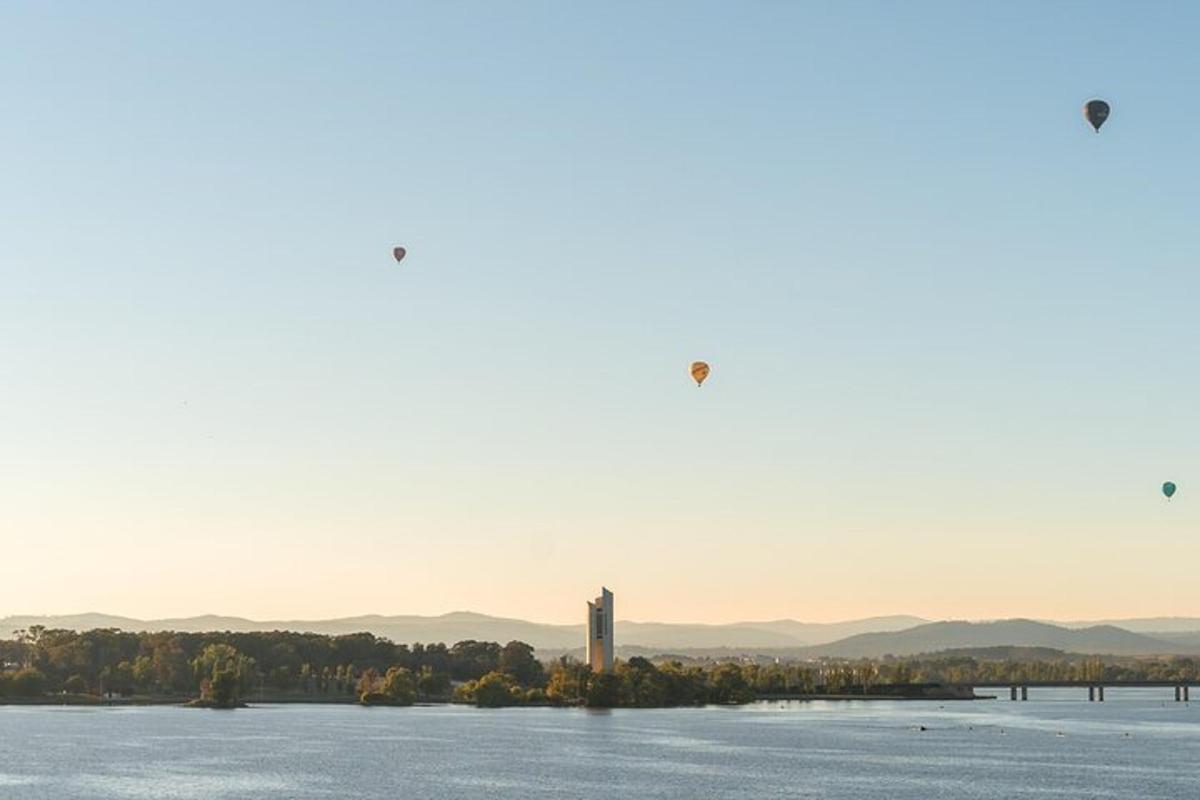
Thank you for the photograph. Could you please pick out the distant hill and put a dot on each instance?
(1151, 626)
(786, 638)
(937, 636)
(1007, 653)
(739, 635)
(461, 625)
(449, 628)
(1189, 639)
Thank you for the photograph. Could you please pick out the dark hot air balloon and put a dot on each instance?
(399, 253)
(1169, 489)
(1096, 112)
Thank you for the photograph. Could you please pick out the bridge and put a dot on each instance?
(1095, 689)
(1018, 690)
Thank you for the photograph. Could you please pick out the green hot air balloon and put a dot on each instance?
(1169, 489)
(1096, 113)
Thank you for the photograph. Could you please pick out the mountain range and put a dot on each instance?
(871, 637)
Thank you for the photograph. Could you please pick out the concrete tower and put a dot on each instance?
(600, 631)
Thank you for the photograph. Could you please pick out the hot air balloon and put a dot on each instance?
(399, 253)
(699, 372)
(1169, 489)
(1096, 112)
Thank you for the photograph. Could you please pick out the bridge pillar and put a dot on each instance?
(1013, 693)
(1024, 692)
(1091, 694)
(1100, 691)
(1178, 694)
(1185, 693)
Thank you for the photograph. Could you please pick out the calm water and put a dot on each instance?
(1056, 745)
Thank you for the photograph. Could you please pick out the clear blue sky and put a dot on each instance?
(953, 332)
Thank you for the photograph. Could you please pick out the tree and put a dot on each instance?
(641, 684)
(223, 688)
(568, 681)
(464, 692)
(224, 673)
(432, 683)
(470, 660)
(727, 684)
(143, 673)
(368, 682)
(517, 660)
(28, 682)
(170, 663)
(685, 686)
(603, 690)
(400, 686)
(285, 665)
(497, 689)
(118, 679)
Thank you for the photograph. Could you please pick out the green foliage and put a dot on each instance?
(464, 693)
(727, 684)
(222, 687)
(517, 659)
(144, 675)
(685, 686)
(27, 682)
(497, 689)
(224, 674)
(432, 683)
(568, 682)
(167, 664)
(400, 686)
(222, 657)
(471, 660)
(164, 663)
(604, 690)
(118, 679)
(641, 684)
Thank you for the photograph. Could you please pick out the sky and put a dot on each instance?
(953, 332)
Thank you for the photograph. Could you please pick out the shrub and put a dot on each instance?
(497, 689)
(400, 686)
(376, 699)
(28, 682)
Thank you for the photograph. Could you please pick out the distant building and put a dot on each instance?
(600, 631)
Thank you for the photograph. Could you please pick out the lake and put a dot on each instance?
(1139, 744)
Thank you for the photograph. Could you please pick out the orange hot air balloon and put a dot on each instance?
(699, 372)
(399, 253)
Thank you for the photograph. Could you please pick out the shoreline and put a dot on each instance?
(190, 702)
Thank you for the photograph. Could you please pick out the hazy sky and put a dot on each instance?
(954, 333)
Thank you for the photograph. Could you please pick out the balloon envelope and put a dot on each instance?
(1096, 112)
(1169, 489)
(399, 253)
(699, 372)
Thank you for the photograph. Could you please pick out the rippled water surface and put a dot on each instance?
(1136, 745)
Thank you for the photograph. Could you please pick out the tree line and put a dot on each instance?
(225, 668)
(279, 664)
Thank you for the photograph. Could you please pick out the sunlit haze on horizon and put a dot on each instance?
(952, 331)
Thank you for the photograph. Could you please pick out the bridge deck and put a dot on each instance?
(1084, 684)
